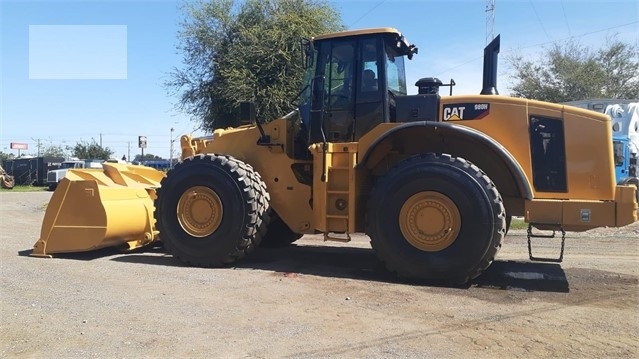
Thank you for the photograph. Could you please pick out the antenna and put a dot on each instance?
(490, 21)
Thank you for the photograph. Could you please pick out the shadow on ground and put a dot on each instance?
(529, 276)
(348, 262)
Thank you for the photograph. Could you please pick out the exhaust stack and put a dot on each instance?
(490, 68)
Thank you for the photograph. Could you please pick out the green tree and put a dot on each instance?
(572, 72)
(91, 150)
(245, 51)
(147, 157)
(54, 151)
(6, 156)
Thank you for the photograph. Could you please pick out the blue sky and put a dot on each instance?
(108, 84)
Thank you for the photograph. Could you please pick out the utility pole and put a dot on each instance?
(38, 145)
(490, 21)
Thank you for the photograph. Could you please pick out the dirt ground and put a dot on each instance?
(313, 299)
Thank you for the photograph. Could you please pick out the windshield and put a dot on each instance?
(68, 165)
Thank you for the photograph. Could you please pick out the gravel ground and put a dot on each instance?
(313, 299)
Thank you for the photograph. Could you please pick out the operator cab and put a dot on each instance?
(353, 79)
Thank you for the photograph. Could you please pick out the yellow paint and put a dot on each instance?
(93, 209)
(289, 198)
(377, 30)
(430, 221)
(334, 199)
(581, 215)
(200, 211)
(507, 123)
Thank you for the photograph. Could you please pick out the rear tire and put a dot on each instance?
(436, 218)
(211, 210)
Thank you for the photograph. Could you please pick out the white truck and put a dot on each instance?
(55, 176)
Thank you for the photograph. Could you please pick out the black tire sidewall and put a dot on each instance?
(476, 232)
(278, 234)
(232, 230)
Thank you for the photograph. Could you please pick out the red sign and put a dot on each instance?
(19, 146)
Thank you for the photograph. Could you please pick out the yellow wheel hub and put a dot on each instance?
(200, 211)
(430, 221)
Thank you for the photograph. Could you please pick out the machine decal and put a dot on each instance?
(465, 111)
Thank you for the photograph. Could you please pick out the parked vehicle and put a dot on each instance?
(430, 179)
(55, 176)
(6, 180)
(31, 171)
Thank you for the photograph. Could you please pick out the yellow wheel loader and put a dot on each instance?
(6, 181)
(433, 181)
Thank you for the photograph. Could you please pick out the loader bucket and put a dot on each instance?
(92, 209)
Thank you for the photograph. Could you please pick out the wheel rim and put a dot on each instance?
(200, 211)
(430, 221)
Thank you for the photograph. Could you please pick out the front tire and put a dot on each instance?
(211, 210)
(436, 218)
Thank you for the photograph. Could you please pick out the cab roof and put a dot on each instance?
(403, 46)
(376, 30)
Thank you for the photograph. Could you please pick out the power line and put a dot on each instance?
(539, 19)
(366, 13)
(581, 35)
(565, 17)
(542, 44)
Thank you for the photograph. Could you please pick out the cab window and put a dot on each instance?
(396, 74)
(338, 72)
(370, 73)
(548, 154)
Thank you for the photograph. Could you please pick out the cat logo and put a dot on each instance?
(465, 111)
(454, 113)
